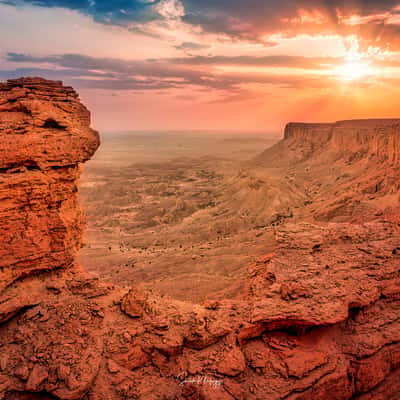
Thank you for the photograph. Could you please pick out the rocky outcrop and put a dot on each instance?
(317, 319)
(43, 125)
(45, 134)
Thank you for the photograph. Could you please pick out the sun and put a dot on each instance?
(354, 70)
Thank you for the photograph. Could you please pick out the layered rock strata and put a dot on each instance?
(319, 318)
(373, 139)
(45, 135)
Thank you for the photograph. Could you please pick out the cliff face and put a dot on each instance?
(346, 170)
(318, 318)
(45, 134)
(375, 139)
(317, 134)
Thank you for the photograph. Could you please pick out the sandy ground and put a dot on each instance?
(166, 211)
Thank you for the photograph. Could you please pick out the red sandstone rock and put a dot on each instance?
(45, 133)
(232, 363)
(37, 376)
(318, 318)
(43, 125)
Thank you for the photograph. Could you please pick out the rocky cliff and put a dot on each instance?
(374, 139)
(45, 135)
(317, 319)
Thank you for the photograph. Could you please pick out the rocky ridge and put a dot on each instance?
(317, 319)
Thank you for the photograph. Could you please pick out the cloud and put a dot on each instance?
(232, 76)
(202, 72)
(190, 46)
(375, 21)
(170, 9)
(52, 73)
(116, 12)
(266, 61)
(162, 66)
(17, 57)
(237, 16)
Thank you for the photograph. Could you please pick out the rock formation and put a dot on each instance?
(45, 134)
(377, 139)
(318, 318)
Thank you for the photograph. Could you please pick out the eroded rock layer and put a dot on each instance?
(317, 319)
(377, 140)
(45, 134)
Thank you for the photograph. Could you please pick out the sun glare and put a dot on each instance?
(354, 70)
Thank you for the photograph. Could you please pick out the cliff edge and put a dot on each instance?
(45, 135)
(375, 139)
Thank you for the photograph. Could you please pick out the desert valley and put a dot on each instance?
(163, 210)
(213, 268)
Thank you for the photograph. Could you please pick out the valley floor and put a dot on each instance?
(160, 212)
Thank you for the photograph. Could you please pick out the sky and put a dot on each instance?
(205, 65)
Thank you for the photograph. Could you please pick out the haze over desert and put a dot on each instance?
(166, 219)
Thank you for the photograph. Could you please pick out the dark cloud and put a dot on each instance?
(190, 46)
(117, 74)
(199, 72)
(256, 19)
(163, 66)
(250, 19)
(258, 16)
(52, 73)
(17, 57)
(117, 12)
(266, 61)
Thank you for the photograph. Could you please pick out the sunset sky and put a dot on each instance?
(243, 65)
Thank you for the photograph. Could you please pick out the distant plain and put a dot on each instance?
(164, 210)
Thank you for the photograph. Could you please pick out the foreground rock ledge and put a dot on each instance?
(317, 319)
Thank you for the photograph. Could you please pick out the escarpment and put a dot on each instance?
(372, 139)
(347, 169)
(317, 319)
